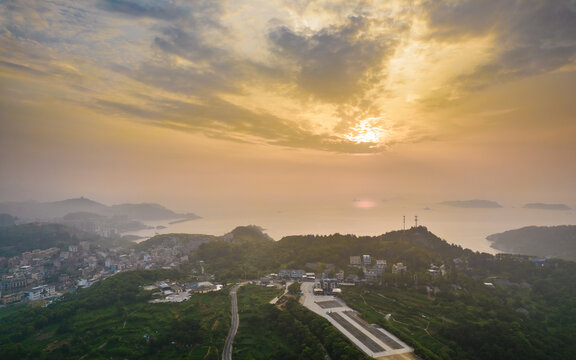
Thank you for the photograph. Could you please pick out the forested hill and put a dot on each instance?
(188, 241)
(14, 240)
(416, 247)
(553, 241)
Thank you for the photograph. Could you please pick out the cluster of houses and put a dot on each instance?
(331, 280)
(178, 292)
(60, 270)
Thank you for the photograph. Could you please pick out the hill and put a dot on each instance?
(249, 233)
(188, 242)
(553, 241)
(50, 210)
(7, 220)
(59, 209)
(149, 211)
(14, 240)
(542, 206)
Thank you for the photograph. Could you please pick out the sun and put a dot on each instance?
(367, 131)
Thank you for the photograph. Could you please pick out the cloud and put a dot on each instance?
(336, 63)
(23, 68)
(530, 37)
(326, 66)
(217, 118)
(159, 9)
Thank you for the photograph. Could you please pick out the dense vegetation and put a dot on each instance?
(529, 315)
(554, 241)
(113, 320)
(265, 332)
(484, 307)
(189, 241)
(528, 309)
(14, 240)
(236, 259)
(285, 333)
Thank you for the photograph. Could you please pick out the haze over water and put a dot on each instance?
(465, 227)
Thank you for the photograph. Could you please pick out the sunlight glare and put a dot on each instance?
(367, 131)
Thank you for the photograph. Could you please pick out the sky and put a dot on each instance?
(277, 105)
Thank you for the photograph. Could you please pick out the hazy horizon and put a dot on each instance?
(467, 227)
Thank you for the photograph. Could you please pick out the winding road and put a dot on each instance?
(227, 352)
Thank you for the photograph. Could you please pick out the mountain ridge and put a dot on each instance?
(58, 209)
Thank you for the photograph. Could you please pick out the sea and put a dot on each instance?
(467, 227)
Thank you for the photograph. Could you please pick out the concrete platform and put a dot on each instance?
(374, 341)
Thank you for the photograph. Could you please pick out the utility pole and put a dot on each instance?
(416, 220)
(403, 222)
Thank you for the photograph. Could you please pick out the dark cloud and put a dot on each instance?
(336, 63)
(158, 9)
(188, 44)
(531, 37)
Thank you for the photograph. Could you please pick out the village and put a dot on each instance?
(43, 275)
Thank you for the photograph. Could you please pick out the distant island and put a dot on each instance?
(57, 209)
(91, 216)
(473, 204)
(543, 206)
(553, 241)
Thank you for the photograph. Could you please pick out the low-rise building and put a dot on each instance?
(13, 298)
(355, 260)
(399, 268)
(381, 264)
(41, 292)
(292, 273)
(366, 260)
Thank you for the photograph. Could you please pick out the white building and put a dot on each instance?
(366, 260)
(41, 292)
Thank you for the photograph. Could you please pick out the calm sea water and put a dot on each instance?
(466, 227)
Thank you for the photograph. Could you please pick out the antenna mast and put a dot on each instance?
(416, 220)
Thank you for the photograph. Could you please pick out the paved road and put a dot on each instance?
(227, 352)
